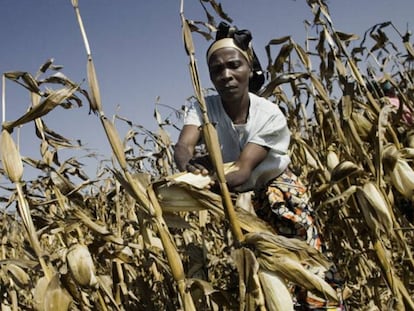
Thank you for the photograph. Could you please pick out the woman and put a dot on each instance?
(253, 133)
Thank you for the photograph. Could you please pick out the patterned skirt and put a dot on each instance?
(284, 203)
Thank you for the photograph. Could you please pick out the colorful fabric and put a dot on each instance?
(284, 203)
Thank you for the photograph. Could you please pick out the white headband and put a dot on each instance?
(227, 43)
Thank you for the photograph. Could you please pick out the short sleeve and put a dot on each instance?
(193, 115)
(274, 134)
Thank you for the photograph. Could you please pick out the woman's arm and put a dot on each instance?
(184, 149)
(251, 156)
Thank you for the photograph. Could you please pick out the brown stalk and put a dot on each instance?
(13, 166)
(209, 132)
(146, 198)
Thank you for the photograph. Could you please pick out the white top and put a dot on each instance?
(266, 126)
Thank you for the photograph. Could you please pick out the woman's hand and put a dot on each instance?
(200, 165)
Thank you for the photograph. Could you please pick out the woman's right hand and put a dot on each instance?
(200, 165)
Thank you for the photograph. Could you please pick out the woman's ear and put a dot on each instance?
(251, 74)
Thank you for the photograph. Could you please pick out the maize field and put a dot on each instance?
(141, 236)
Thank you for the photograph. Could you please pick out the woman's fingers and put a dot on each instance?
(197, 168)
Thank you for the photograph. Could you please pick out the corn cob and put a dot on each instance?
(81, 265)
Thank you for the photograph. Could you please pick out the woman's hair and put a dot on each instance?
(242, 42)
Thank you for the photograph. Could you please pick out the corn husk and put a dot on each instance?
(10, 157)
(81, 265)
(402, 178)
(279, 245)
(362, 125)
(19, 276)
(277, 295)
(56, 297)
(286, 258)
(332, 160)
(50, 296)
(375, 208)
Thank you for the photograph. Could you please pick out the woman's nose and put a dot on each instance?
(226, 74)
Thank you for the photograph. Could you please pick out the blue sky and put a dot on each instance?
(138, 50)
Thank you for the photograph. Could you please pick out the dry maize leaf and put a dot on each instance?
(101, 229)
(95, 102)
(10, 157)
(39, 293)
(182, 197)
(343, 170)
(281, 58)
(251, 295)
(343, 196)
(44, 67)
(56, 297)
(14, 75)
(115, 141)
(187, 37)
(175, 221)
(298, 274)
(279, 245)
(81, 265)
(367, 211)
(54, 99)
(276, 293)
(106, 284)
(19, 276)
(251, 223)
(346, 36)
(407, 153)
(320, 88)
(207, 290)
(303, 57)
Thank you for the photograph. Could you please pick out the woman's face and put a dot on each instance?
(230, 73)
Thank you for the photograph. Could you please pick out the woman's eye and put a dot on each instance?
(234, 65)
